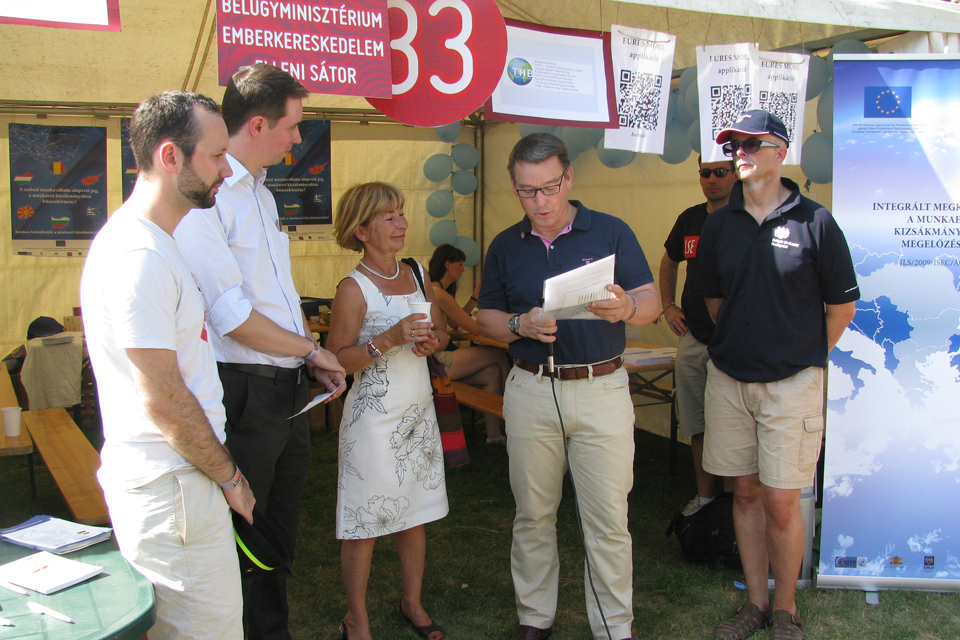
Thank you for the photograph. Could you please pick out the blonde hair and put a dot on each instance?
(359, 205)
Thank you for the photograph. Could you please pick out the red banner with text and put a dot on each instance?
(338, 48)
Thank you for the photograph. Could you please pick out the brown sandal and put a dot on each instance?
(748, 619)
(786, 626)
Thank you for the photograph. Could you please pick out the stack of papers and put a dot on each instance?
(54, 535)
(640, 357)
(47, 573)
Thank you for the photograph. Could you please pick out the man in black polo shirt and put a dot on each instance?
(692, 322)
(556, 236)
(778, 280)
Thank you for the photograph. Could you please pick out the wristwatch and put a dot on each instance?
(514, 325)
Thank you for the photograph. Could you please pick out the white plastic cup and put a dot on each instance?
(11, 421)
(421, 307)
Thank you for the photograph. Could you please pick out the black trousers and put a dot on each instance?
(274, 455)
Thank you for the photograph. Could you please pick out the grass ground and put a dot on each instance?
(467, 587)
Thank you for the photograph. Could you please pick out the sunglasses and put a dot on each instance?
(750, 145)
(720, 172)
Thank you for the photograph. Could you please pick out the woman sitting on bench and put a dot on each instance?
(481, 366)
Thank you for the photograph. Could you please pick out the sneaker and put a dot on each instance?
(497, 440)
(692, 507)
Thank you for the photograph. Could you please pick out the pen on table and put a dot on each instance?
(39, 608)
(15, 589)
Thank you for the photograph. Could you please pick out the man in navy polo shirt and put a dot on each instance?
(692, 322)
(778, 280)
(556, 236)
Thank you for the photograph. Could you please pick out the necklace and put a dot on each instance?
(393, 277)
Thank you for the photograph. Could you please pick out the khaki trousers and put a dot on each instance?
(598, 418)
(177, 532)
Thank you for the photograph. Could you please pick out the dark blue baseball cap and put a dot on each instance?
(755, 121)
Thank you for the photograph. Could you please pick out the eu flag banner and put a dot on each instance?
(887, 102)
(892, 452)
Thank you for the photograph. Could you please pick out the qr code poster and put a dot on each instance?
(782, 90)
(642, 66)
(727, 83)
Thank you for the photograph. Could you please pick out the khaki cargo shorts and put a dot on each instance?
(771, 428)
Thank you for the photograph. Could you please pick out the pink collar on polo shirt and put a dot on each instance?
(546, 241)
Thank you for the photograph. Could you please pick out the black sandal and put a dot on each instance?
(427, 632)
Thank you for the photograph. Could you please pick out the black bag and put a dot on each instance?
(708, 536)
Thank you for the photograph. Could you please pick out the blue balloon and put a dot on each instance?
(464, 182)
(440, 203)
(465, 155)
(683, 114)
(688, 77)
(438, 167)
(676, 148)
(448, 132)
(816, 158)
(444, 232)
(672, 104)
(845, 46)
(615, 158)
(470, 249)
(692, 99)
(825, 111)
(817, 76)
(574, 139)
(693, 135)
(595, 136)
(527, 129)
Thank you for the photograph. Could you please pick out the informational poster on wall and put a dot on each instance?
(128, 164)
(100, 15)
(301, 185)
(555, 76)
(341, 48)
(893, 444)
(58, 188)
(733, 78)
(642, 67)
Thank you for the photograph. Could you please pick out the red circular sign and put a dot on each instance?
(447, 57)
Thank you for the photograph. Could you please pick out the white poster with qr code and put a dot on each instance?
(642, 67)
(782, 90)
(726, 81)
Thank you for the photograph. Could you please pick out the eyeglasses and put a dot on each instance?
(750, 145)
(719, 172)
(552, 190)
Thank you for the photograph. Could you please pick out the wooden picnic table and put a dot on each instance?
(22, 445)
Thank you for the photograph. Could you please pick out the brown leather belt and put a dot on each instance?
(572, 372)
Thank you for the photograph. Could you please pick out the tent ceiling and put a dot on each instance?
(905, 15)
(167, 45)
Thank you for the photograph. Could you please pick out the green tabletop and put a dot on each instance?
(118, 603)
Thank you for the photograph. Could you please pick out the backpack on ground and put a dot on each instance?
(708, 536)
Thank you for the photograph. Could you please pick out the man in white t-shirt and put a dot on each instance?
(168, 480)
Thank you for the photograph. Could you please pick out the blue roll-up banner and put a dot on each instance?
(301, 185)
(892, 464)
(128, 163)
(58, 188)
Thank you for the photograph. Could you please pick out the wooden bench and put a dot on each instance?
(72, 461)
(478, 399)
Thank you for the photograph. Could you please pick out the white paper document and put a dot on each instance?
(55, 535)
(46, 572)
(317, 400)
(640, 357)
(565, 297)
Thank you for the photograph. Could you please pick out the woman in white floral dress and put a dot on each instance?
(391, 460)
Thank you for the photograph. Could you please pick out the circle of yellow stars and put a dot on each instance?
(894, 95)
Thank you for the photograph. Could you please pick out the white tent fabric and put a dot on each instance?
(907, 15)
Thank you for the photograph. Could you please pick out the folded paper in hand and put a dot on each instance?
(566, 296)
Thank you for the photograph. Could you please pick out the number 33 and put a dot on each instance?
(457, 43)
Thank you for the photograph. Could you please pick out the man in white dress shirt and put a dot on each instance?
(264, 350)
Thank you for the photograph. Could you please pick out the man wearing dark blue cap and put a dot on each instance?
(778, 280)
